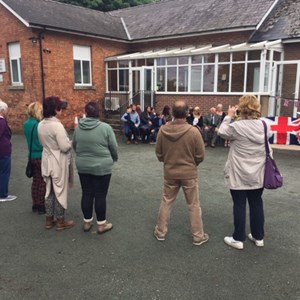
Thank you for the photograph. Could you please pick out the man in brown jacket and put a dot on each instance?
(180, 147)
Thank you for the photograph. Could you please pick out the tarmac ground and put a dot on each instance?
(128, 262)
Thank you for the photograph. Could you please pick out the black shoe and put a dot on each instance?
(35, 208)
(41, 210)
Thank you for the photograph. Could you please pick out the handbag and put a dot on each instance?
(29, 167)
(272, 178)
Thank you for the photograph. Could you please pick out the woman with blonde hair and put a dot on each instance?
(244, 169)
(38, 187)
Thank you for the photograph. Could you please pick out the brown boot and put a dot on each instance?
(104, 227)
(49, 222)
(87, 226)
(64, 224)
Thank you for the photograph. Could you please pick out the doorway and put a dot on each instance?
(142, 86)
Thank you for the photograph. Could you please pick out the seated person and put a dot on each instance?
(197, 119)
(190, 116)
(157, 121)
(146, 125)
(131, 121)
(211, 122)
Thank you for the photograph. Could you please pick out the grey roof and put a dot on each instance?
(180, 17)
(72, 18)
(282, 23)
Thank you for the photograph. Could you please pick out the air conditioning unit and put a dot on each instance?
(112, 103)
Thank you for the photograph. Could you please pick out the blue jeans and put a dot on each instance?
(256, 209)
(5, 167)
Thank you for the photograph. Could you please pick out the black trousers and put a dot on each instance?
(257, 220)
(94, 190)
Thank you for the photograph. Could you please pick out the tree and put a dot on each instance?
(107, 5)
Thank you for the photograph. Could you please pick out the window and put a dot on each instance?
(15, 63)
(82, 65)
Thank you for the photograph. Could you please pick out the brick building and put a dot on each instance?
(203, 51)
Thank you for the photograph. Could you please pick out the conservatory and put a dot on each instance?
(203, 70)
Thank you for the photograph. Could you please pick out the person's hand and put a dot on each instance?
(206, 128)
(231, 111)
(216, 129)
(136, 125)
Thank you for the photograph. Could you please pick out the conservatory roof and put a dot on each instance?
(193, 50)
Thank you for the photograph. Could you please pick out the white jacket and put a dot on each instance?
(245, 165)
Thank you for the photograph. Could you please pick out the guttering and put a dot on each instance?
(290, 41)
(78, 33)
(14, 13)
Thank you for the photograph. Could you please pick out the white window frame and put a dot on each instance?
(14, 51)
(82, 53)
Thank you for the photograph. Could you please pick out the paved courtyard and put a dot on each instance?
(128, 263)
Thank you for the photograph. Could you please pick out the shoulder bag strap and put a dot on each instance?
(266, 139)
(30, 149)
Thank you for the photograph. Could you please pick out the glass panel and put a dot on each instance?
(123, 80)
(147, 80)
(141, 62)
(197, 59)
(224, 57)
(77, 71)
(183, 79)
(172, 61)
(136, 87)
(112, 80)
(209, 58)
(254, 55)
(112, 64)
(86, 71)
(237, 78)
(20, 66)
(161, 61)
(15, 73)
(238, 56)
(223, 78)
(266, 77)
(161, 79)
(171, 79)
(276, 56)
(124, 64)
(196, 79)
(183, 60)
(253, 77)
(150, 61)
(208, 78)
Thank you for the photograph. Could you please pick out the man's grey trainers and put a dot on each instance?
(202, 241)
(8, 198)
(159, 237)
(230, 241)
(258, 243)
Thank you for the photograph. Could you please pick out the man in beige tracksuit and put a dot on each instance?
(180, 147)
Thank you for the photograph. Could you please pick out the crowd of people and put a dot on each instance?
(180, 136)
(143, 126)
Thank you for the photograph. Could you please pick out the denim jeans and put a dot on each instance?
(256, 209)
(94, 188)
(5, 168)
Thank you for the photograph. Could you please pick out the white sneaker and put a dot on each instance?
(230, 241)
(258, 243)
(8, 198)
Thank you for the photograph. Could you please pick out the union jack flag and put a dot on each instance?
(285, 129)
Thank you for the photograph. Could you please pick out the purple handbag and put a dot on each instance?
(272, 179)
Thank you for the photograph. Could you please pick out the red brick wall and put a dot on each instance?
(58, 69)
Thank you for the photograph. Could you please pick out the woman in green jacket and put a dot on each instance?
(96, 151)
(38, 187)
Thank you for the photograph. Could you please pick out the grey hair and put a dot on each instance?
(3, 106)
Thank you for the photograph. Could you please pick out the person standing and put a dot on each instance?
(96, 151)
(56, 163)
(244, 169)
(181, 149)
(5, 154)
(38, 187)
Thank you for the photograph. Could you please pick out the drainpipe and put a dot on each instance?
(40, 38)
